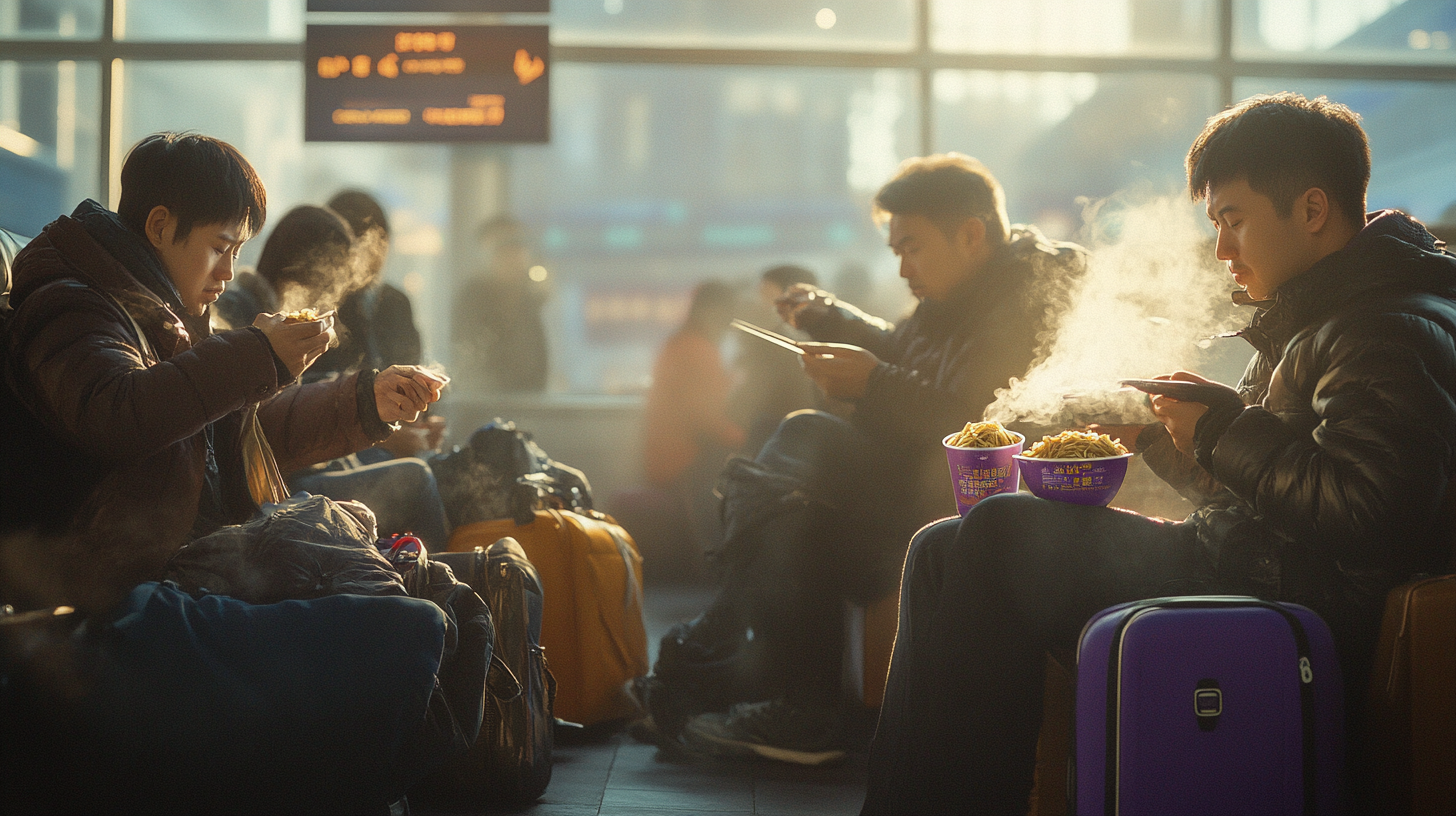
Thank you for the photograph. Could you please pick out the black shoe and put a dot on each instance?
(772, 729)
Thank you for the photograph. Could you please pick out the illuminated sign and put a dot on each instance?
(493, 6)
(405, 83)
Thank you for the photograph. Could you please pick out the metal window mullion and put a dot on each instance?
(106, 114)
(1226, 67)
(925, 73)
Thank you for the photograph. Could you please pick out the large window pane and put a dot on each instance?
(50, 19)
(1363, 30)
(48, 140)
(1130, 27)
(659, 177)
(813, 24)
(1412, 145)
(1053, 139)
(232, 21)
(261, 112)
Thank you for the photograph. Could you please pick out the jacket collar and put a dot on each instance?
(130, 250)
(1375, 259)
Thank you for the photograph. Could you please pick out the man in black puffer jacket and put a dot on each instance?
(1326, 473)
(858, 489)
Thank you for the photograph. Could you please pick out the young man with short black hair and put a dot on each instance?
(1325, 472)
(135, 409)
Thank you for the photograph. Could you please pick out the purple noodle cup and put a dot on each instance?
(1092, 482)
(976, 473)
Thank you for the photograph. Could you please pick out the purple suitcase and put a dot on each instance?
(1209, 705)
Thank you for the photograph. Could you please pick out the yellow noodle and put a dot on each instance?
(1076, 445)
(301, 315)
(983, 435)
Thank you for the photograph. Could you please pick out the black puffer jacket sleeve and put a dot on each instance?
(1352, 452)
(845, 323)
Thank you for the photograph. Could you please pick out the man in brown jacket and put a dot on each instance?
(133, 408)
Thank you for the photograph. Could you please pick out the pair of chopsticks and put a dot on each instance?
(764, 334)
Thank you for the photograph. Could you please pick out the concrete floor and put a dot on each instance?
(619, 776)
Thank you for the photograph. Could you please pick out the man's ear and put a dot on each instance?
(159, 226)
(970, 235)
(1313, 209)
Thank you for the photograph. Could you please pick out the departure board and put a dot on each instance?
(404, 83)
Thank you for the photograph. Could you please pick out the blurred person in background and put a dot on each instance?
(770, 383)
(686, 431)
(376, 321)
(307, 262)
(825, 511)
(499, 335)
(377, 324)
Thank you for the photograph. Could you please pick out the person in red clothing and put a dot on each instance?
(687, 433)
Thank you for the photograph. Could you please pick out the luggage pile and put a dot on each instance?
(502, 485)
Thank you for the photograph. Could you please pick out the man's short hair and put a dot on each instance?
(787, 275)
(199, 179)
(1282, 145)
(947, 188)
(361, 210)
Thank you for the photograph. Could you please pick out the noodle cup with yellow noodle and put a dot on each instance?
(981, 462)
(1079, 467)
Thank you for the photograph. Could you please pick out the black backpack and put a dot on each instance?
(510, 764)
(502, 473)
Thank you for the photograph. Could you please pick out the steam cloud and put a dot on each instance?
(326, 276)
(1152, 296)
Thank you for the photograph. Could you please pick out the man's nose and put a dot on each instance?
(1225, 249)
(905, 269)
(224, 270)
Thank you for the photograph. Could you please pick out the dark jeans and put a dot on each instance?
(983, 598)
(401, 492)
(789, 584)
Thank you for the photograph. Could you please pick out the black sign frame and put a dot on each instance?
(414, 83)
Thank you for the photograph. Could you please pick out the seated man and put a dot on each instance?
(134, 408)
(824, 511)
(1330, 482)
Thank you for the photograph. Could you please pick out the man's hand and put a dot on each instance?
(802, 301)
(401, 393)
(297, 344)
(842, 371)
(1181, 418)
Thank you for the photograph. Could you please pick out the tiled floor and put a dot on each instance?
(620, 776)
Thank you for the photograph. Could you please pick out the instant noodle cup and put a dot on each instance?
(976, 473)
(1077, 481)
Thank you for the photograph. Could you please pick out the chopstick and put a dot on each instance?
(764, 334)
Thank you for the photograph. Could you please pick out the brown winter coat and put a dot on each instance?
(138, 419)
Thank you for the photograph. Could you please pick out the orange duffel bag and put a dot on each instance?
(591, 624)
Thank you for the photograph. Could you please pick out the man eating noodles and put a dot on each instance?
(1324, 471)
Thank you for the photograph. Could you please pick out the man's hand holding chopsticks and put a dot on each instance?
(842, 371)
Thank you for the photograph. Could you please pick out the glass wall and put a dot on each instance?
(48, 140)
(658, 177)
(707, 138)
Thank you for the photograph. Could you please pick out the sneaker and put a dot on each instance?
(772, 729)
